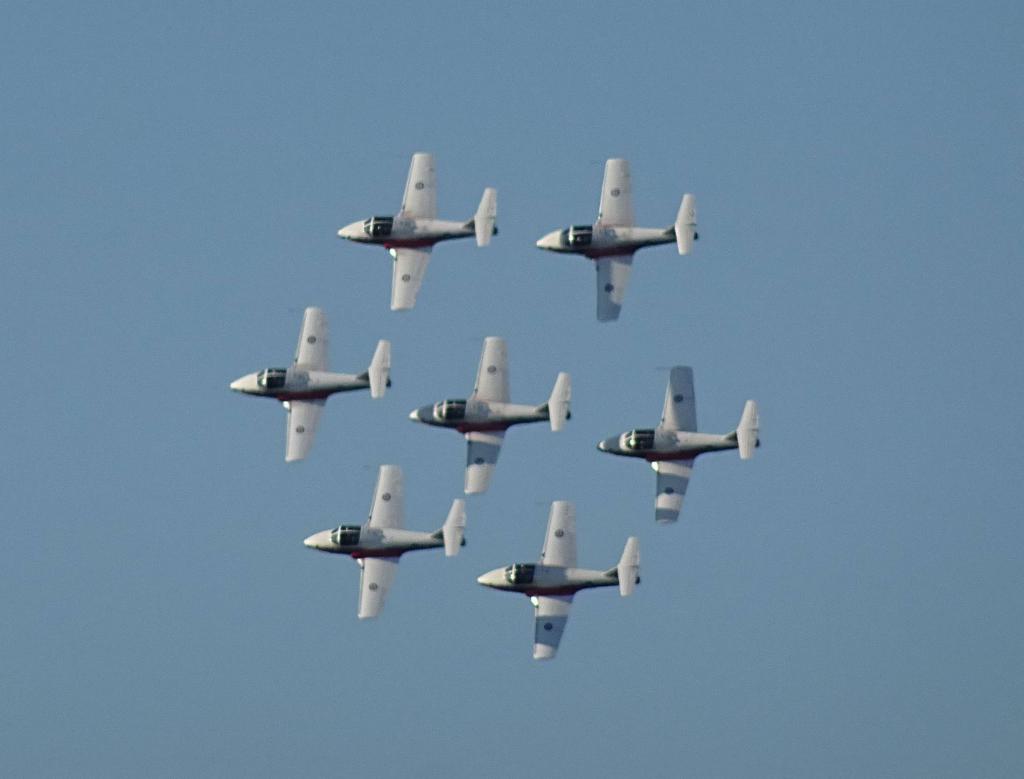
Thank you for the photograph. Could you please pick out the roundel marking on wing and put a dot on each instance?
(677, 398)
(615, 192)
(300, 429)
(492, 368)
(559, 533)
(669, 490)
(478, 461)
(406, 277)
(609, 287)
(311, 339)
(548, 626)
(419, 185)
(373, 586)
(386, 496)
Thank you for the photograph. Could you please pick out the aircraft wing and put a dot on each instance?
(673, 478)
(612, 280)
(303, 417)
(492, 373)
(311, 353)
(420, 198)
(374, 583)
(481, 458)
(616, 209)
(410, 267)
(388, 509)
(560, 541)
(550, 613)
(680, 411)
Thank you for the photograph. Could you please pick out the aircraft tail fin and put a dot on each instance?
(628, 569)
(558, 403)
(686, 224)
(453, 529)
(380, 369)
(747, 430)
(483, 221)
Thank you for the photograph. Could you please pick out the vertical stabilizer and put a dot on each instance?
(629, 566)
(486, 216)
(747, 430)
(380, 369)
(558, 403)
(454, 527)
(686, 224)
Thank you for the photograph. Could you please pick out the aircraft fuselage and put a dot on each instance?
(373, 542)
(294, 383)
(468, 416)
(598, 241)
(405, 232)
(536, 579)
(654, 445)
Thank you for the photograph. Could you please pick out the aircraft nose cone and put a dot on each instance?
(601, 445)
(482, 579)
(236, 385)
(414, 415)
(549, 241)
(311, 541)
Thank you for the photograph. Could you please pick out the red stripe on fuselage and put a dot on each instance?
(483, 427)
(360, 553)
(661, 457)
(322, 394)
(417, 243)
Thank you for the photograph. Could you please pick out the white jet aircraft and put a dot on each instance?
(612, 239)
(552, 582)
(672, 447)
(487, 414)
(378, 545)
(411, 234)
(303, 388)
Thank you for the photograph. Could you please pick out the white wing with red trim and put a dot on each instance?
(410, 266)
(492, 373)
(420, 198)
(560, 540)
(303, 417)
(612, 281)
(388, 508)
(482, 450)
(374, 583)
(680, 409)
(311, 352)
(550, 615)
(616, 209)
(673, 479)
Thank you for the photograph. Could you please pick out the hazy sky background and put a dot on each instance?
(848, 603)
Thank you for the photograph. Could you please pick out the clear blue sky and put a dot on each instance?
(849, 603)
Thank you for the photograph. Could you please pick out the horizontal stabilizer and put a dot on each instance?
(629, 567)
(454, 527)
(686, 224)
(747, 430)
(558, 403)
(380, 369)
(485, 217)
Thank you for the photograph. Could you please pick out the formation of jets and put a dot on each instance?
(671, 448)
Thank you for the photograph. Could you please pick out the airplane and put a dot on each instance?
(305, 386)
(411, 234)
(612, 240)
(487, 414)
(672, 447)
(552, 582)
(378, 545)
